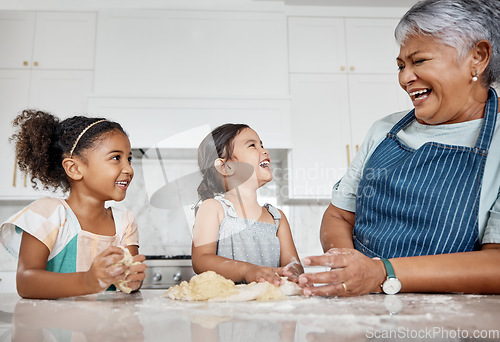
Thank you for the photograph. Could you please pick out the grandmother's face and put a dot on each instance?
(437, 81)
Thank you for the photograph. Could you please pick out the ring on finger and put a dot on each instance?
(344, 286)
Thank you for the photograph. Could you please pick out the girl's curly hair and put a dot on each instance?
(42, 141)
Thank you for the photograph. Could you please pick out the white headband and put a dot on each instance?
(81, 135)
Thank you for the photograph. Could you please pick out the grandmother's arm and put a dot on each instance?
(468, 272)
(337, 228)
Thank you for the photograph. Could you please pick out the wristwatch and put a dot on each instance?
(391, 285)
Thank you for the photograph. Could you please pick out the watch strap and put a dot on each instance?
(388, 268)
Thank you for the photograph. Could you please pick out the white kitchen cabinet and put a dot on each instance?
(342, 45)
(65, 41)
(320, 129)
(14, 96)
(193, 54)
(16, 39)
(63, 93)
(370, 45)
(47, 40)
(46, 64)
(343, 78)
(371, 97)
(316, 45)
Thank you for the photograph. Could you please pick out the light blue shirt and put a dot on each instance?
(415, 135)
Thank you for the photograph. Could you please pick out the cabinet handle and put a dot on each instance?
(25, 178)
(15, 175)
(25, 63)
(348, 155)
(35, 63)
(342, 68)
(351, 68)
(357, 148)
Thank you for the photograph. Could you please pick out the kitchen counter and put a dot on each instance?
(148, 316)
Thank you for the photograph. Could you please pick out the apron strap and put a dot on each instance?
(490, 118)
(405, 121)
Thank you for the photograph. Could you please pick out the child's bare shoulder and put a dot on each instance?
(210, 209)
(211, 204)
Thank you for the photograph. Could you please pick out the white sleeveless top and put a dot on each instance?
(246, 240)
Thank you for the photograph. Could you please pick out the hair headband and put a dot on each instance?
(81, 135)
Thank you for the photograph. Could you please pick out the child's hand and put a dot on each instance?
(137, 273)
(103, 272)
(262, 273)
(292, 271)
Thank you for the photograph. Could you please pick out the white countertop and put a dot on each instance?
(148, 316)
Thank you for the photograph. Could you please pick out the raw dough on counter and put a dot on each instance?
(128, 260)
(212, 287)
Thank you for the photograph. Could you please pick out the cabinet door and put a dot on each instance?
(16, 39)
(194, 54)
(127, 55)
(62, 93)
(320, 134)
(316, 45)
(64, 41)
(228, 54)
(14, 87)
(371, 46)
(371, 97)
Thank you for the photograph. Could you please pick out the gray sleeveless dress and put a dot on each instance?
(246, 240)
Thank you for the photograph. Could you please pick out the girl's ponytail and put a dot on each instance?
(37, 149)
(204, 191)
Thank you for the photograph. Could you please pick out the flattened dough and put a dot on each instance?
(212, 287)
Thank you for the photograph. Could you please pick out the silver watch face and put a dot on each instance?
(391, 286)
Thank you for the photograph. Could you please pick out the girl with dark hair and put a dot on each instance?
(69, 247)
(233, 235)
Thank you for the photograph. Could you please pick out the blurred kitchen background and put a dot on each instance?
(310, 76)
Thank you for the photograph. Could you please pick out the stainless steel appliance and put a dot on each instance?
(165, 271)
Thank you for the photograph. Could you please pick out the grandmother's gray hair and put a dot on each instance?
(459, 24)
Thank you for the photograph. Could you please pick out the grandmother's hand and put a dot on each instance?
(352, 274)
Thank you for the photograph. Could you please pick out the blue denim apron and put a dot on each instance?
(422, 202)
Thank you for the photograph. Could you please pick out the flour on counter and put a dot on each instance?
(210, 286)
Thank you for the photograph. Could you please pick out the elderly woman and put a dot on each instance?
(419, 208)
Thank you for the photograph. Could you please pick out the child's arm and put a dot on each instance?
(33, 281)
(289, 258)
(204, 250)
